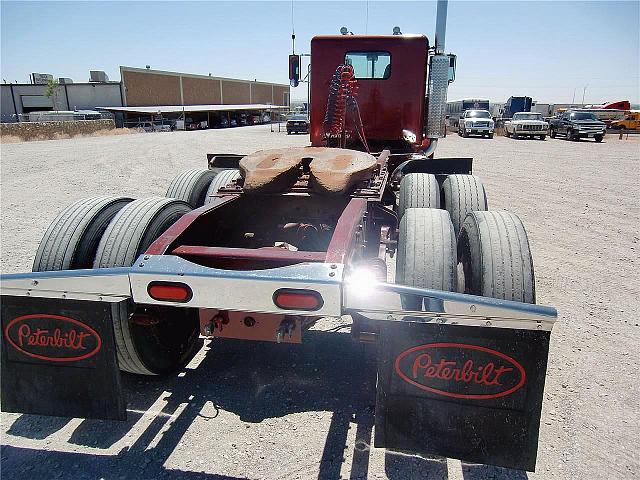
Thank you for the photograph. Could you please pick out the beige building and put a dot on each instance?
(145, 88)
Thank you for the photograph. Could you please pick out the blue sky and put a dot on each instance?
(542, 49)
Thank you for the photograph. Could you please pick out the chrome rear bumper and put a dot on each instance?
(253, 291)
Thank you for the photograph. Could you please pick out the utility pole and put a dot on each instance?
(583, 92)
(573, 100)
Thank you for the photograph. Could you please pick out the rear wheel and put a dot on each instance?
(426, 252)
(72, 239)
(149, 340)
(418, 190)
(222, 179)
(552, 133)
(494, 257)
(463, 194)
(191, 186)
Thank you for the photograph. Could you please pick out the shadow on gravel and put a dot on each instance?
(36, 427)
(485, 472)
(30, 464)
(256, 381)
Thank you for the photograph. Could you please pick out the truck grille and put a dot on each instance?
(590, 128)
(480, 124)
(532, 127)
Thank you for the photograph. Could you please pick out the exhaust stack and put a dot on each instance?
(438, 77)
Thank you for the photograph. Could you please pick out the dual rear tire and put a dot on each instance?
(104, 232)
(197, 186)
(459, 195)
(464, 248)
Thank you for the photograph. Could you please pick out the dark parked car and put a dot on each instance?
(297, 124)
(575, 125)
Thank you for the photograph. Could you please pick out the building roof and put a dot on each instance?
(194, 108)
(195, 75)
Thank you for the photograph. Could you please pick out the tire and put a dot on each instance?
(495, 259)
(191, 186)
(426, 253)
(465, 134)
(506, 133)
(463, 194)
(598, 138)
(543, 137)
(418, 190)
(72, 239)
(490, 135)
(570, 136)
(167, 343)
(552, 133)
(220, 180)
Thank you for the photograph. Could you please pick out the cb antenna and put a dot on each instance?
(293, 32)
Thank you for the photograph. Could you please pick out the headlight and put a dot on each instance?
(468, 123)
(491, 123)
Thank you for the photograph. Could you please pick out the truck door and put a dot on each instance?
(564, 123)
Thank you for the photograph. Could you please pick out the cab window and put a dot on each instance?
(369, 65)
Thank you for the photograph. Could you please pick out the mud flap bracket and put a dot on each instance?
(59, 358)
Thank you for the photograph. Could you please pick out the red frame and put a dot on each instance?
(342, 247)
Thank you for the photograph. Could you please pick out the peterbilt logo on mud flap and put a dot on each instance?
(52, 338)
(460, 371)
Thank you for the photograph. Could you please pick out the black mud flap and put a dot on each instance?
(472, 393)
(59, 358)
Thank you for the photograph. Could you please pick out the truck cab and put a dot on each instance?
(390, 74)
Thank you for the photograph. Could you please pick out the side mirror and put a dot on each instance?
(294, 70)
(452, 67)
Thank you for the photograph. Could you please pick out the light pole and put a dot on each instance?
(584, 90)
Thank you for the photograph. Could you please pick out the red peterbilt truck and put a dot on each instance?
(261, 246)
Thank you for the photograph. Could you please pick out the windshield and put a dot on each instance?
(527, 116)
(372, 65)
(477, 114)
(583, 116)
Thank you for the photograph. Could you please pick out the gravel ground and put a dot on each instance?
(255, 410)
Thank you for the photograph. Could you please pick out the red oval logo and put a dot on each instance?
(53, 338)
(459, 370)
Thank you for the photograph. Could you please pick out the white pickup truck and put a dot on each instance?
(526, 124)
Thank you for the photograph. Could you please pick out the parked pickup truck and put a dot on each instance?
(576, 125)
(526, 124)
(476, 122)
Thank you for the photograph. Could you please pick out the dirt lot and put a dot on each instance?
(273, 411)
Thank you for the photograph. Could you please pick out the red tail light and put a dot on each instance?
(170, 292)
(297, 299)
